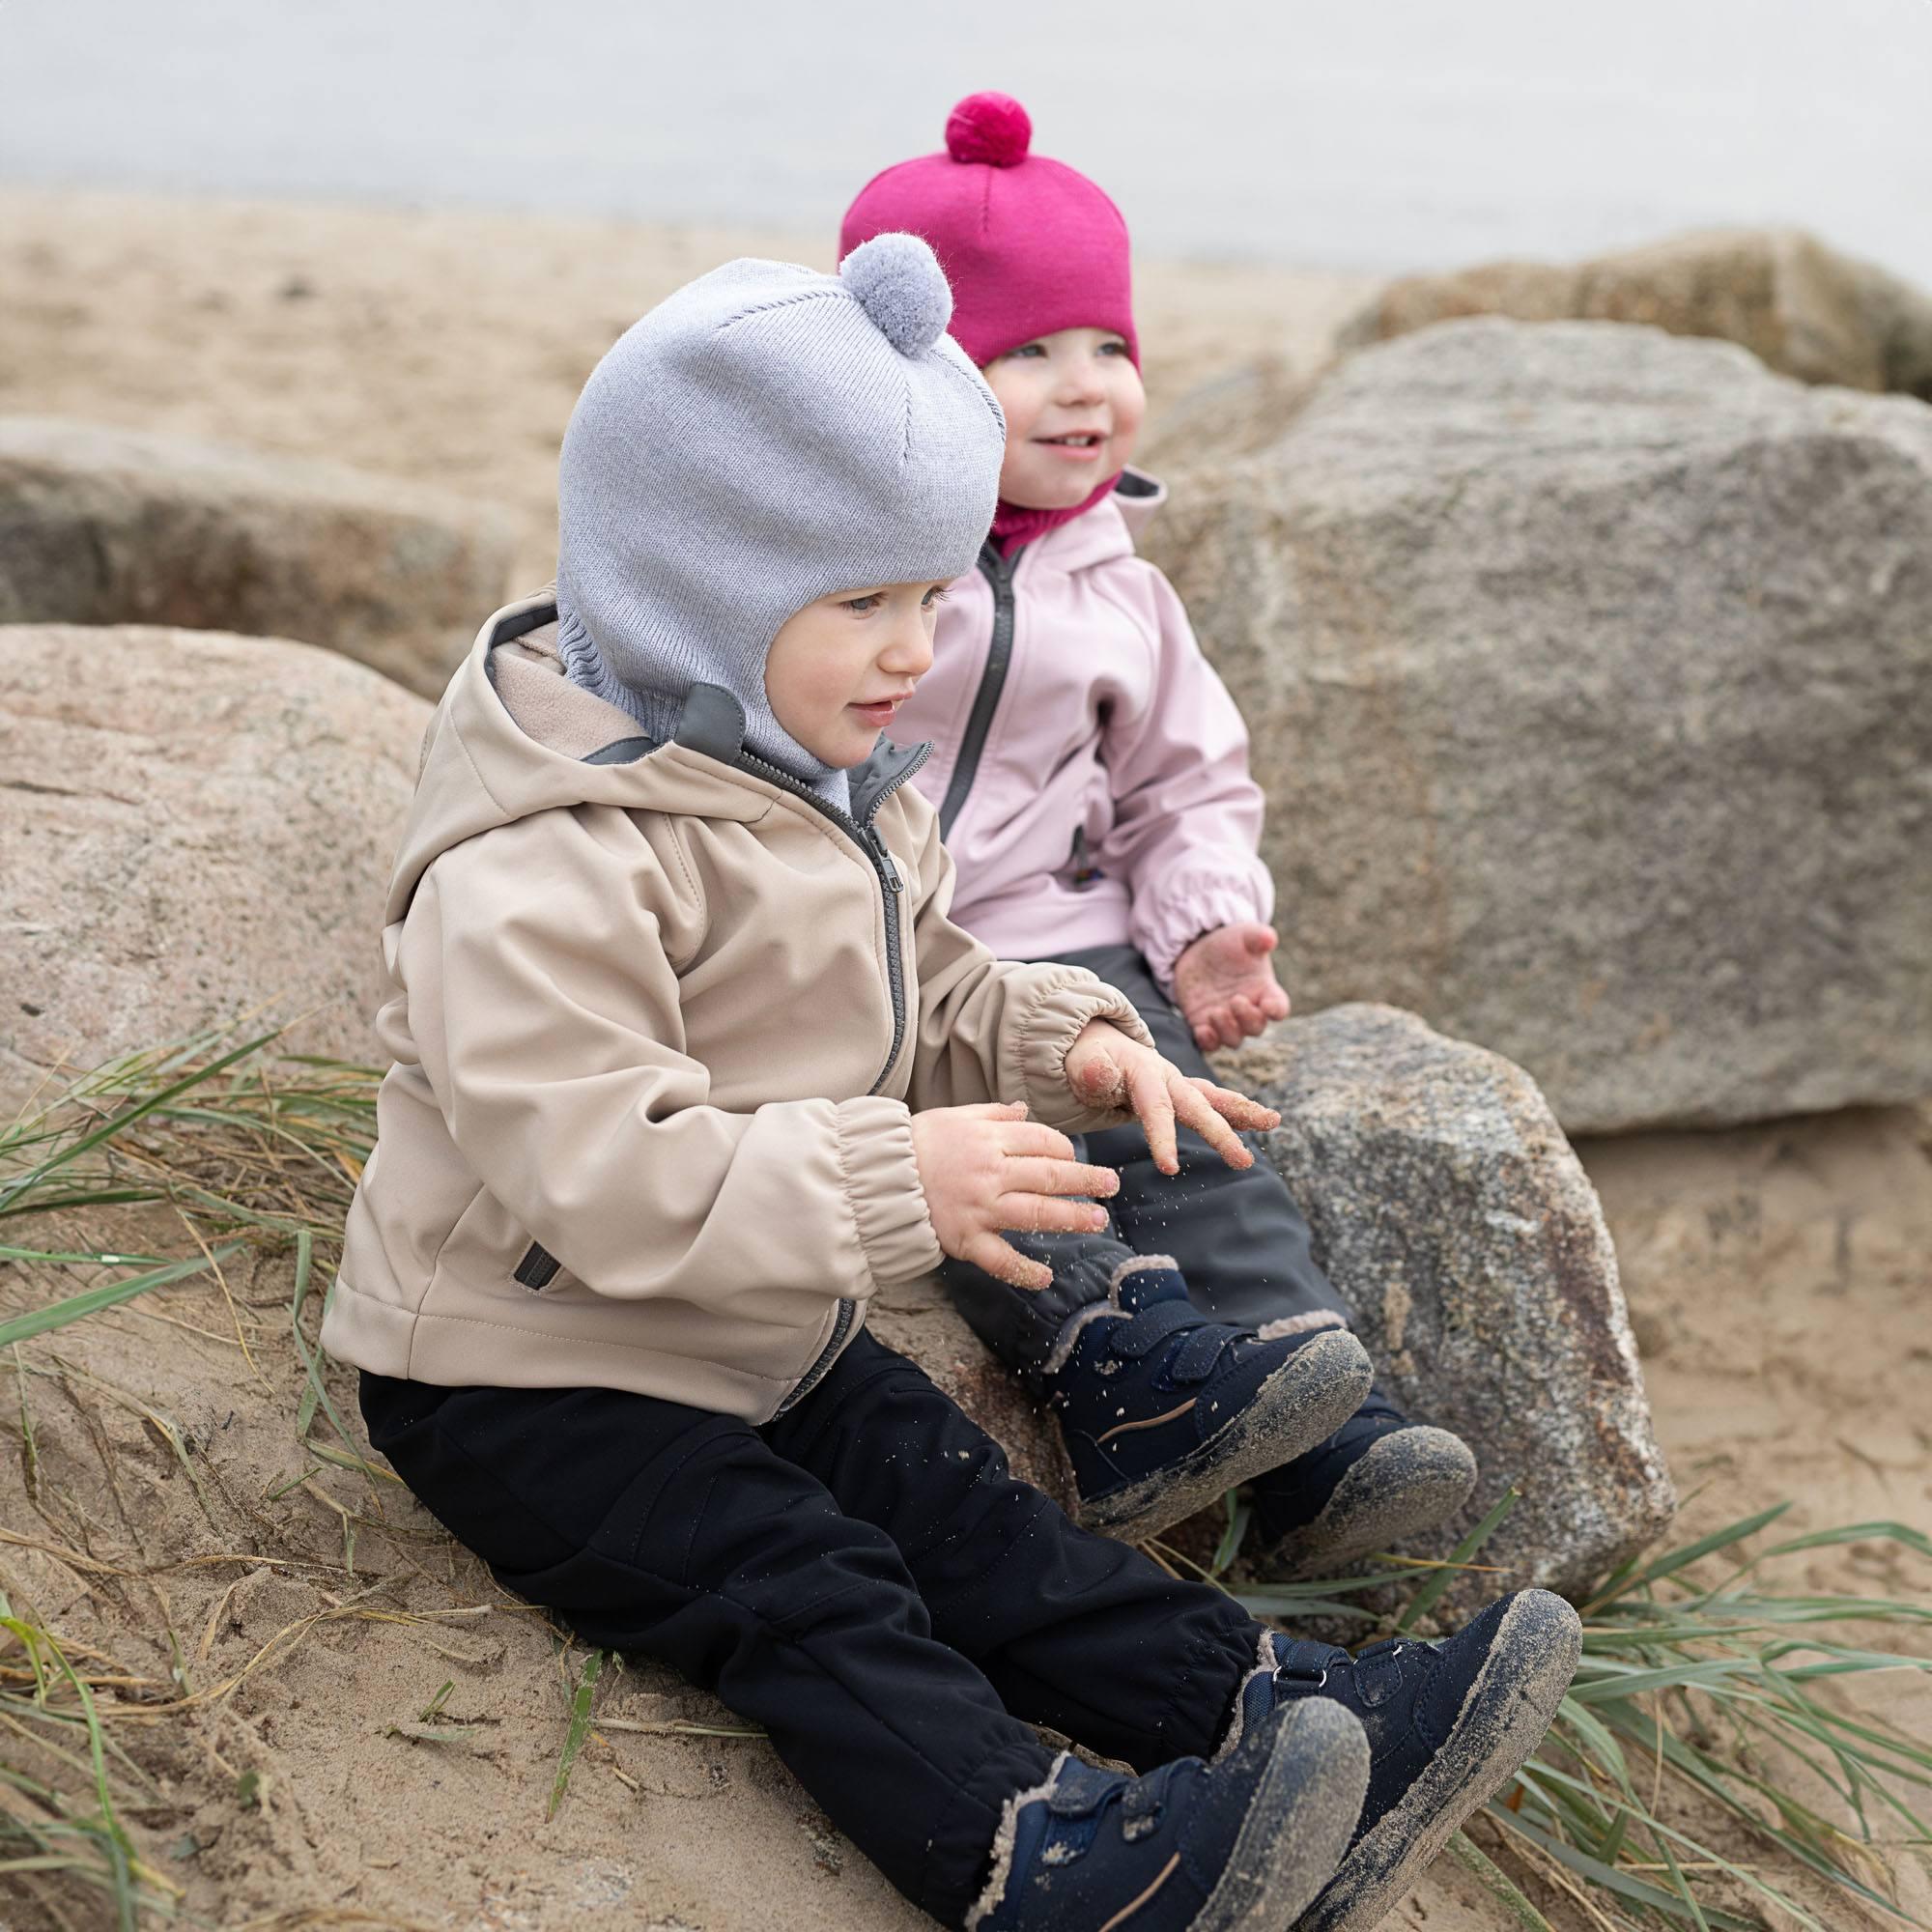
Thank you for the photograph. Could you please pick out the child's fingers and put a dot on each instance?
(1237, 1108)
(1044, 1214)
(1099, 1084)
(1154, 1107)
(1206, 1037)
(1029, 1137)
(1273, 1002)
(1004, 1263)
(1249, 1015)
(1194, 1107)
(1057, 1176)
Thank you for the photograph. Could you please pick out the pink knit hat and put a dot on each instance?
(1029, 246)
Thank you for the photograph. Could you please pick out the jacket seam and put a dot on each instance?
(421, 1315)
(684, 866)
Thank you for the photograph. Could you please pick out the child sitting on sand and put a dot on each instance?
(691, 1061)
(1090, 775)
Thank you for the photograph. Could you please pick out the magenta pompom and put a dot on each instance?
(991, 128)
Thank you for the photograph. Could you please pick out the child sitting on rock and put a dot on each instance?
(691, 1061)
(1090, 775)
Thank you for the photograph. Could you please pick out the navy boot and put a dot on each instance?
(1449, 1723)
(1377, 1479)
(1244, 1843)
(1163, 1410)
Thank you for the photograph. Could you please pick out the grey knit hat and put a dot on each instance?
(761, 438)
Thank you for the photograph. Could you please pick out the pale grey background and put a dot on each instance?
(1352, 133)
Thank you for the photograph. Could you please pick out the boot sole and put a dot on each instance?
(1504, 1717)
(1298, 1823)
(1408, 1481)
(1303, 1402)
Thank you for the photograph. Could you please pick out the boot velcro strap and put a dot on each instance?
(1194, 1360)
(1301, 1667)
(1150, 1328)
(1080, 1789)
(1140, 1809)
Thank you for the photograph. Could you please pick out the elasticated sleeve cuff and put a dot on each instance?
(1048, 1022)
(1192, 907)
(880, 1180)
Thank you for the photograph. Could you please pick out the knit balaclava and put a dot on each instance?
(763, 438)
(1029, 244)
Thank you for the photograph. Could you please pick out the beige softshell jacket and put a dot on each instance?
(659, 1022)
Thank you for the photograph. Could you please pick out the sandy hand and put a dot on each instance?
(988, 1168)
(1225, 985)
(1106, 1069)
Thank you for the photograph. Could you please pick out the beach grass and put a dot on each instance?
(1702, 1771)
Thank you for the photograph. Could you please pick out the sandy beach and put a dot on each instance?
(1778, 1275)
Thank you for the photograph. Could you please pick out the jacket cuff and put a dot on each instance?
(880, 1175)
(1195, 906)
(1050, 1020)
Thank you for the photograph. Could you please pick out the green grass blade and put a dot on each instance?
(1497, 1882)
(579, 1725)
(1425, 1598)
(120, 1123)
(58, 1314)
(1706, 1546)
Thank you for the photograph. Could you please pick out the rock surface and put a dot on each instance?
(1798, 306)
(1589, 674)
(109, 527)
(195, 826)
(1445, 1203)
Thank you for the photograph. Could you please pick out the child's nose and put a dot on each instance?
(910, 652)
(1080, 380)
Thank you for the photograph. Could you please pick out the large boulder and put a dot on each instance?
(1796, 304)
(195, 827)
(1589, 671)
(112, 526)
(1446, 1204)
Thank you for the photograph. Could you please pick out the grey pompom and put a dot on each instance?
(897, 281)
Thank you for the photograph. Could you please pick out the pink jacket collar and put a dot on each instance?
(1109, 529)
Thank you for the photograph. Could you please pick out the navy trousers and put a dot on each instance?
(1237, 1234)
(862, 1577)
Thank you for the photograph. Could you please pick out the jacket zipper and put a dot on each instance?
(998, 572)
(866, 834)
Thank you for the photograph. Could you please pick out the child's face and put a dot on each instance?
(839, 670)
(1073, 403)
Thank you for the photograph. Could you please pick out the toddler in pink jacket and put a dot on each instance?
(1092, 779)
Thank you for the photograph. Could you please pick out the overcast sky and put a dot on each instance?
(1371, 133)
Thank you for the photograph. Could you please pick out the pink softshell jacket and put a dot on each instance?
(1089, 769)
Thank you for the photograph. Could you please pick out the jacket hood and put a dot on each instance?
(512, 736)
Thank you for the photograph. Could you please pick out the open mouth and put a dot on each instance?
(1082, 440)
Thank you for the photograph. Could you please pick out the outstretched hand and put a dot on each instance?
(988, 1168)
(1105, 1070)
(1225, 985)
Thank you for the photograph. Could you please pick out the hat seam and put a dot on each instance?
(782, 302)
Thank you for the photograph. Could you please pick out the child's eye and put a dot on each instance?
(1028, 348)
(1116, 347)
(936, 595)
(861, 605)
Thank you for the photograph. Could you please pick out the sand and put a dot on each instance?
(444, 347)
(1778, 1275)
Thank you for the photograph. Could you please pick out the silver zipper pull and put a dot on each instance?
(888, 866)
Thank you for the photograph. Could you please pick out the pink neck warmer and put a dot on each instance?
(1014, 525)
